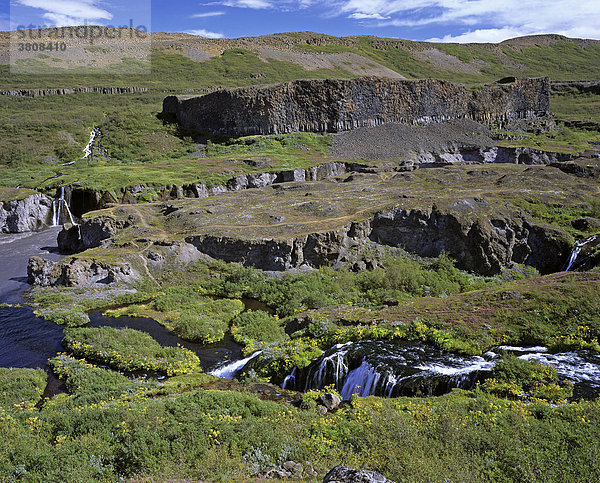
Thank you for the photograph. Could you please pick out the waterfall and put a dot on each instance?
(577, 250)
(389, 369)
(338, 365)
(87, 151)
(228, 371)
(291, 379)
(59, 207)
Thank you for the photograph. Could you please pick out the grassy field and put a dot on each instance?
(38, 135)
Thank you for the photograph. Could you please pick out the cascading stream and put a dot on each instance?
(389, 369)
(88, 150)
(577, 250)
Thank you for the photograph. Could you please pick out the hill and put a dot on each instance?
(182, 61)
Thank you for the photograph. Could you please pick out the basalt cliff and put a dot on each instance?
(335, 105)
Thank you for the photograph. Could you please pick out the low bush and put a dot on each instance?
(257, 327)
(208, 321)
(94, 383)
(278, 359)
(517, 378)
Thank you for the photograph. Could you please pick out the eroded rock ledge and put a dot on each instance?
(335, 105)
(30, 213)
(470, 212)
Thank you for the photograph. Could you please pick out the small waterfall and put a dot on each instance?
(291, 379)
(577, 250)
(87, 151)
(387, 369)
(228, 371)
(333, 364)
(59, 208)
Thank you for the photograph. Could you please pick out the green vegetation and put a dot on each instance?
(21, 387)
(402, 277)
(256, 328)
(90, 382)
(189, 314)
(519, 379)
(311, 398)
(69, 317)
(575, 105)
(228, 436)
(9, 194)
(129, 350)
(564, 140)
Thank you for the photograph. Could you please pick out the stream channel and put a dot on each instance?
(366, 367)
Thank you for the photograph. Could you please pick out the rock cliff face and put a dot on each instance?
(75, 90)
(334, 105)
(28, 214)
(484, 246)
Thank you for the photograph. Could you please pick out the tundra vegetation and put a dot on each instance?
(134, 409)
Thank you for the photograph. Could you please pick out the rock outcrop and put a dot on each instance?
(335, 105)
(71, 90)
(90, 233)
(345, 474)
(477, 214)
(27, 214)
(483, 246)
(78, 272)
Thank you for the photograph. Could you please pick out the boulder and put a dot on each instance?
(330, 401)
(345, 474)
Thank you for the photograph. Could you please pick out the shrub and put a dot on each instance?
(256, 327)
(518, 378)
(83, 378)
(208, 321)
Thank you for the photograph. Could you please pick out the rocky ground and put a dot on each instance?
(395, 141)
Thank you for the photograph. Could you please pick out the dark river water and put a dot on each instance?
(26, 341)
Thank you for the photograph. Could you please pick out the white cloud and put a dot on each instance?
(208, 14)
(480, 36)
(486, 20)
(255, 4)
(368, 16)
(69, 12)
(205, 33)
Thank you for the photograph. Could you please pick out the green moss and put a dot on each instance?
(68, 316)
(14, 194)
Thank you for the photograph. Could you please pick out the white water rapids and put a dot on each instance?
(228, 371)
(87, 151)
(389, 370)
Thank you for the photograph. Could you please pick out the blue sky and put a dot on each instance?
(441, 20)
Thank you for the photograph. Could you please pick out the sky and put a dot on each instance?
(434, 20)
